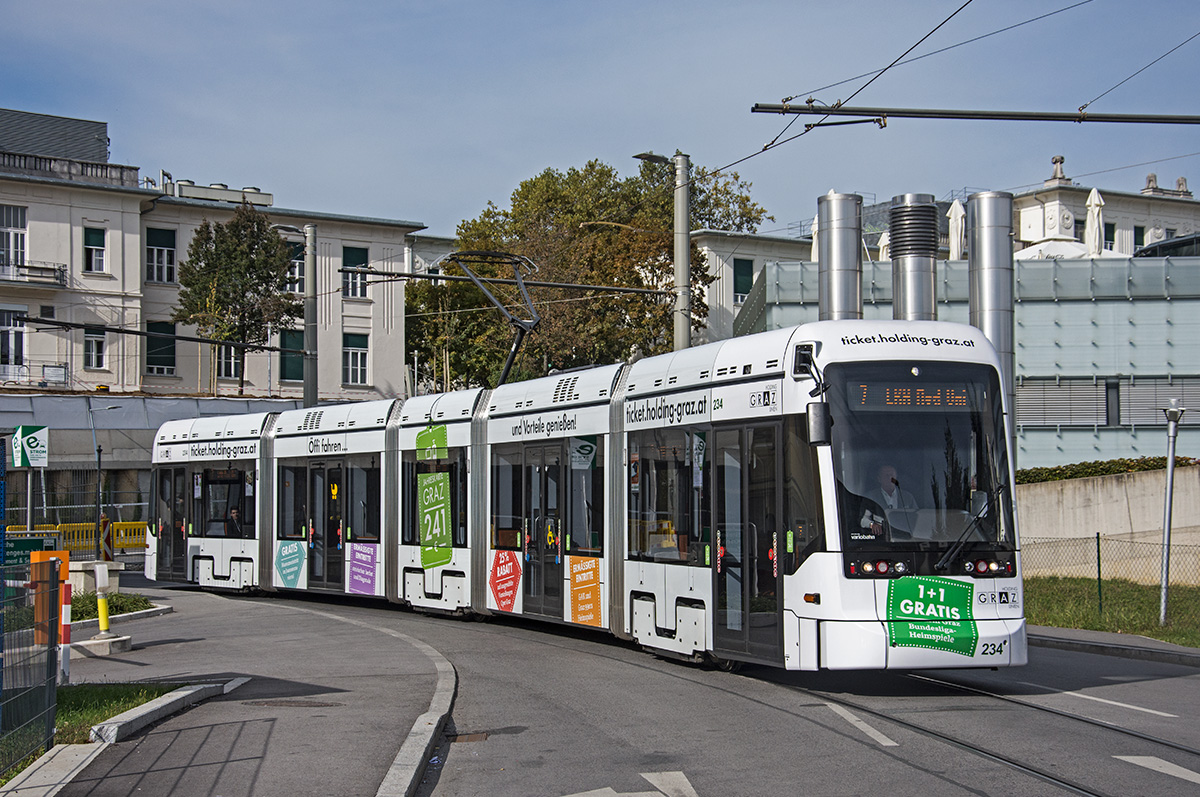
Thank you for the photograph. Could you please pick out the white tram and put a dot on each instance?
(830, 496)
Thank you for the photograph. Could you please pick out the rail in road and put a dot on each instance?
(1178, 762)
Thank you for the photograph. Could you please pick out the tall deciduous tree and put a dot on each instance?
(233, 285)
(585, 226)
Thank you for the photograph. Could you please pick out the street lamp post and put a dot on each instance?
(96, 447)
(1174, 415)
(683, 246)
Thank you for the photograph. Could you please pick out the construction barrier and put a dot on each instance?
(80, 538)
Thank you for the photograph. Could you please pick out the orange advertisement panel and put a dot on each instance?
(585, 589)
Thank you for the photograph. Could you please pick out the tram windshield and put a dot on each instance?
(920, 455)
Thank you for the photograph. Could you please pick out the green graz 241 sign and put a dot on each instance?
(433, 500)
(931, 612)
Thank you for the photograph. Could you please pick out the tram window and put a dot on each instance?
(585, 526)
(506, 497)
(453, 464)
(802, 495)
(227, 512)
(669, 518)
(293, 501)
(362, 511)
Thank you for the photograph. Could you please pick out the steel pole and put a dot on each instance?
(1174, 414)
(96, 448)
(683, 254)
(310, 315)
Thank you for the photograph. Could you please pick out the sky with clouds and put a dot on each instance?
(426, 111)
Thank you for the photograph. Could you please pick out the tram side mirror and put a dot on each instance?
(820, 424)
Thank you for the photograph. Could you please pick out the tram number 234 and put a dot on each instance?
(991, 649)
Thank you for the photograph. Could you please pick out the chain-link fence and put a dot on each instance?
(29, 611)
(1125, 577)
(69, 496)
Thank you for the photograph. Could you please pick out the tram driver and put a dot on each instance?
(889, 504)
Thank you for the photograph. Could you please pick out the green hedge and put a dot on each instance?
(1081, 470)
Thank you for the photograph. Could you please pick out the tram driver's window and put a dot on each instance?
(802, 496)
(293, 501)
(224, 501)
(507, 510)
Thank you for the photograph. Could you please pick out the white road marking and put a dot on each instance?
(669, 784)
(1103, 700)
(672, 784)
(862, 726)
(1158, 765)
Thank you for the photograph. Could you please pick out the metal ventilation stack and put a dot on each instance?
(990, 277)
(839, 246)
(913, 232)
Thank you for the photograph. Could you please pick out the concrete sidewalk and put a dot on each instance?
(1129, 646)
(329, 704)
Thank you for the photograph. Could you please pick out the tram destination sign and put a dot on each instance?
(887, 396)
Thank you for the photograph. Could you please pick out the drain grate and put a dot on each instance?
(468, 737)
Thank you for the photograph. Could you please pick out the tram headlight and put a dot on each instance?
(981, 566)
(969, 567)
(993, 567)
(881, 566)
(900, 568)
(868, 567)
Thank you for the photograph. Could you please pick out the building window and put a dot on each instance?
(160, 255)
(354, 359)
(295, 274)
(229, 365)
(1139, 236)
(354, 286)
(12, 343)
(160, 348)
(93, 347)
(1110, 235)
(1171, 232)
(291, 363)
(12, 236)
(743, 278)
(93, 249)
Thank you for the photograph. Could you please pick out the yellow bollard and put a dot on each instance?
(102, 600)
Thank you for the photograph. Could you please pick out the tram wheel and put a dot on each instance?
(726, 665)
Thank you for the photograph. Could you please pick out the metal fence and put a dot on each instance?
(69, 496)
(30, 616)
(1105, 560)
(128, 540)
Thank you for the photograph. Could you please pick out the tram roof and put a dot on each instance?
(440, 407)
(336, 418)
(570, 389)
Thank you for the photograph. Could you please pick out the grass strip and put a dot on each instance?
(1129, 608)
(83, 705)
(83, 605)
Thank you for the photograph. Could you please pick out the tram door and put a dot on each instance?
(170, 512)
(747, 494)
(325, 551)
(543, 591)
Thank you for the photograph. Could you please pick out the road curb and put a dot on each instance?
(82, 626)
(1183, 657)
(54, 770)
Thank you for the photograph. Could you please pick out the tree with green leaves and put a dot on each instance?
(233, 285)
(584, 226)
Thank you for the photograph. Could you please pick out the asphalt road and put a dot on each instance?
(544, 710)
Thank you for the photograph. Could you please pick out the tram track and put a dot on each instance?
(1009, 762)
(1108, 726)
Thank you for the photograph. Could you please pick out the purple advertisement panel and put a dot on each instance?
(363, 560)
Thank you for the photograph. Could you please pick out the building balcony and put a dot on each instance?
(67, 169)
(34, 272)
